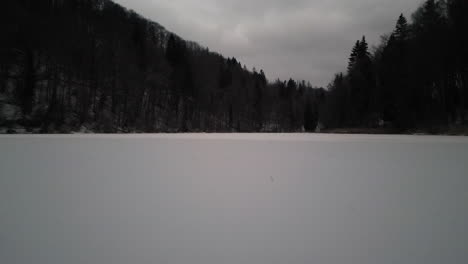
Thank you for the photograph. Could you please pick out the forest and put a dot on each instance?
(95, 66)
(416, 79)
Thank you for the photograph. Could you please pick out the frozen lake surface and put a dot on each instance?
(233, 199)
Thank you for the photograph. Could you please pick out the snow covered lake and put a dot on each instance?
(233, 199)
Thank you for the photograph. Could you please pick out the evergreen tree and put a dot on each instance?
(354, 56)
(363, 49)
(401, 32)
(361, 79)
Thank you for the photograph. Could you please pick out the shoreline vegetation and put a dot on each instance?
(439, 131)
(96, 67)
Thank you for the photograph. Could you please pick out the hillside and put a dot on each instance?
(85, 65)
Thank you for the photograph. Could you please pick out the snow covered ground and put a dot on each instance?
(233, 199)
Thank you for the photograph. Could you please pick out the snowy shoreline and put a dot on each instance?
(260, 137)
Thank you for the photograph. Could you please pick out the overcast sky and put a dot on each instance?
(302, 39)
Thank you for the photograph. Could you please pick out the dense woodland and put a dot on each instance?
(69, 65)
(416, 79)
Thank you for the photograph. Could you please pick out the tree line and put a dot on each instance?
(68, 64)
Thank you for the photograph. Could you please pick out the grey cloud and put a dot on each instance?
(302, 39)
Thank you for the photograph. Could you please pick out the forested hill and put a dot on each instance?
(92, 65)
(416, 79)
(71, 65)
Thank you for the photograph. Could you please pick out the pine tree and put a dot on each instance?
(361, 83)
(401, 32)
(363, 49)
(354, 55)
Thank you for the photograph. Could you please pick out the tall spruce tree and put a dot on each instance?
(401, 32)
(354, 56)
